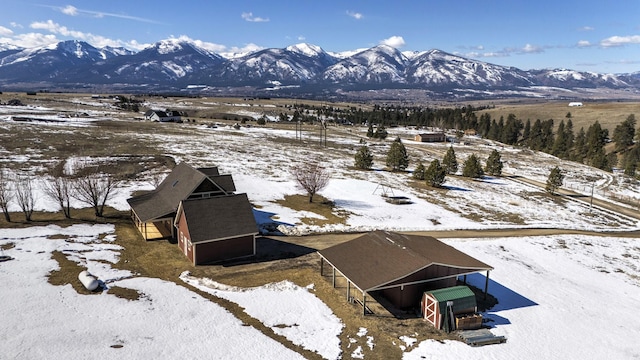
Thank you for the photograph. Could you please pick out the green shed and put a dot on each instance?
(434, 305)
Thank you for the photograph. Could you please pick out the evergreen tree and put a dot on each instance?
(596, 138)
(418, 173)
(579, 150)
(535, 137)
(569, 136)
(554, 181)
(547, 136)
(472, 167)
(494, 164)
(526, 132)
(624, 133)
(435, 174)
(397, 157)
(495, 131)
(450, 162)
(381, 133)
(364, 158)
(559, 148)
(511, 130)
(484, 125)
(631, 160)
(370, 131)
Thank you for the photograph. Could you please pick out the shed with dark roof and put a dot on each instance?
(400, 267)
(216, 228)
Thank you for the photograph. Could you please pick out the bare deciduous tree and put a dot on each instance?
(25, 197)
(156, 179)
(95, 190)
(6, 194)
(311, 177)
(60, 190)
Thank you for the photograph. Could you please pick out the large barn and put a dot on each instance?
(399, 267)
(201, 204)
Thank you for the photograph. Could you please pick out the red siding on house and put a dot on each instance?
(184, 238)
(206, 252)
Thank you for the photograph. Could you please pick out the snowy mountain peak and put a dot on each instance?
(168, 46)
(306, 49)
(80, 49)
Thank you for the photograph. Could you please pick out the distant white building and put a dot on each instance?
(162, 116)
(575, 104)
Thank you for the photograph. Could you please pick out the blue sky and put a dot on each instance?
(590, 35)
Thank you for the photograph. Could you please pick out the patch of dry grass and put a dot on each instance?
(320, 205)
(124, 293)
(609, 114)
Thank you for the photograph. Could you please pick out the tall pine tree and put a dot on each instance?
(450, 162)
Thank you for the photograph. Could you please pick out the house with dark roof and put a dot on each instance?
(399, 267)
(162, 116)
(216, 228)
(221, 216)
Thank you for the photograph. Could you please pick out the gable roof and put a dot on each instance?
(378, 258)
(218, 217)
(177, 186)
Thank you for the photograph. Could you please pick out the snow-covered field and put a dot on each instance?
(561, 296)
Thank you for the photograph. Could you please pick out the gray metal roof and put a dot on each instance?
(379, 258)
(219, 217)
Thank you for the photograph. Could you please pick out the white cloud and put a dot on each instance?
(5, 31)
(70, 10)
(248, 16)
(586, 28)
(15, 25)
(532, 49)
(203, 44)
(30, 40)
(394, 41)
(584, 43)
(95, 40)
(301, 38)
(73, 11)
(620, 40)
(355, 15)
(56, 28)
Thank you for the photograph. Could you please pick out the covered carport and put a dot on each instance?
(398, 266)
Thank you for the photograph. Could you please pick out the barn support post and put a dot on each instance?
(146, 237)
(321, 266)
(364, 303)
(486, 285)
(348, 290)
(333, 275)
(465, 279)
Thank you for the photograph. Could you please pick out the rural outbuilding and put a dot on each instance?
(440, 307)
(400, 267)
(216, 229)
(431, 137)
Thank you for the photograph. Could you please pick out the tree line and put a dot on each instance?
(88, 186)
(585, 146)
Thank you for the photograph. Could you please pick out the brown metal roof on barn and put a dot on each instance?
(177, 186)
(379, 258)
(218, 217)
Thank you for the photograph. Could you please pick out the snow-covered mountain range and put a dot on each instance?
(173, 65)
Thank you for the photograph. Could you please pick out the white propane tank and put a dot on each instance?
(89, 281)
